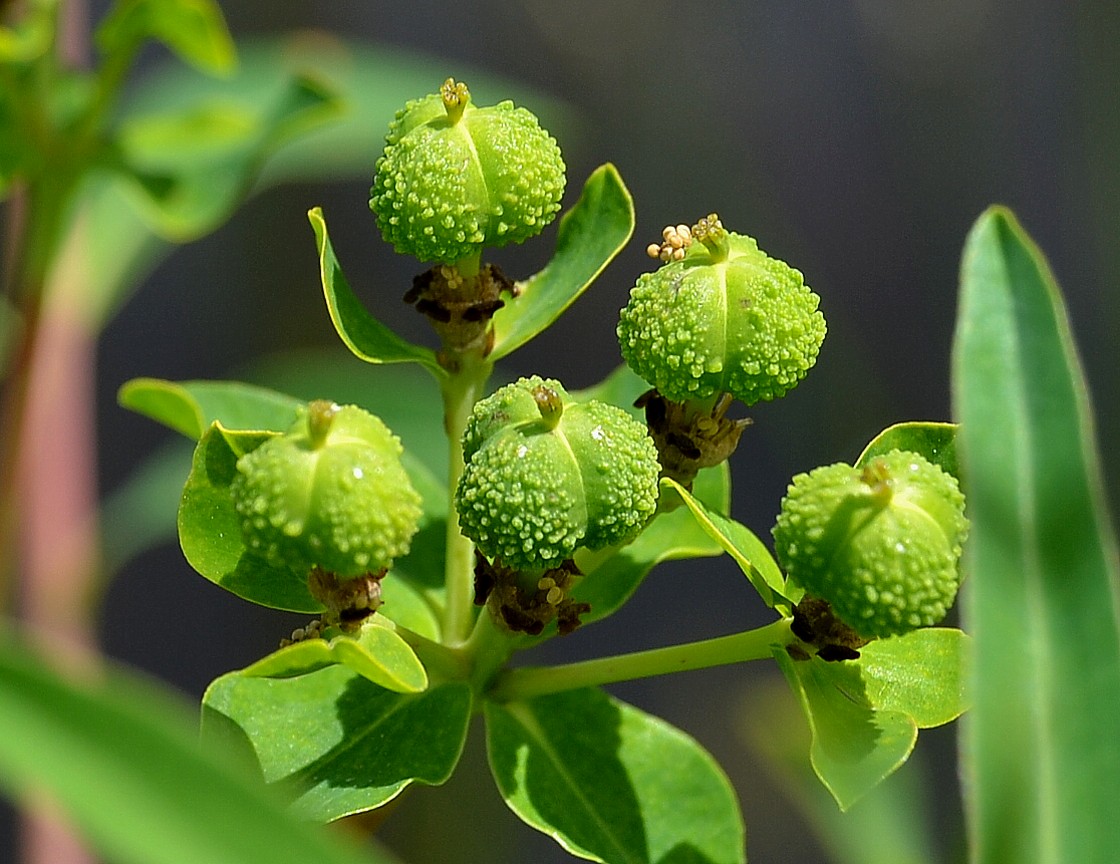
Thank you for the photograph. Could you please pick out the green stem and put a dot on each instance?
(755, 644)
(460, 389)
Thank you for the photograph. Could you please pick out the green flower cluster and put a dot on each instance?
(545, 475)
(721, 316)
(454, 178)
(330, 493)
(880, 543)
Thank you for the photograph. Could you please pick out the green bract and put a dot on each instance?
(454, 178)
(545, 475)
(880, 543)
(721, 317)
(329, 493)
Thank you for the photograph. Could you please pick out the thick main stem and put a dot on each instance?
(461, 389)
(721, 651)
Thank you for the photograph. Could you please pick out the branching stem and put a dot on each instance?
(739, 647)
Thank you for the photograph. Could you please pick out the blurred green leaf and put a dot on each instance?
(611, 783)
(377, 654)
(591, 234)
(335, 743)
(935, 441)
(364, 335)
(194, 29)
(1042, 767)
(855, 746)
(123, 761)
(611, 580)
(197, 165)
(191, 407)
(738, 541)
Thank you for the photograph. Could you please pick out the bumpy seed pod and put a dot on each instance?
(330, 493)
(720, 317)
(880, 543)
(545, 475)
(455, 178)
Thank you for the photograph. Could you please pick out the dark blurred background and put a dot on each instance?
(855, 139)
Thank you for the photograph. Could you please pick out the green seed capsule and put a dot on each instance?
(455, 178)
(545, 475)
(880, 543)
(330, 493)
(720, 317)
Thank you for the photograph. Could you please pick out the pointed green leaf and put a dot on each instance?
(193, 29)
(122, 759)
(935, 441)
(210, 534)
(855, 746)
(364, 335)
(921, 673)
(738, 541)
(610, 581)
(335, 743)
(1042, 767)
(190, 407)
(612, 783)
(591, 234)
(377, 654)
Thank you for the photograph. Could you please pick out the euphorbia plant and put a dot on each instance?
(552, 509)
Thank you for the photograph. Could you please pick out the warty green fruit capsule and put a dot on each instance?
(721, 316)
(546, 475)
(880, 543)
(330, 493)
(454, 178)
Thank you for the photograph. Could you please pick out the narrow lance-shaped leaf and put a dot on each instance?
(1042, 768)
(364, 335)
(740, 543)
(335, 743)
(612, 783)
(123, 761)
(193, 29)
(591, 234)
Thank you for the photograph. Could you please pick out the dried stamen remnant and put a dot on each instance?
(348, 603)
(312, 630)
(688, 440)
(815, 623)
(460, 308)
(527, 606)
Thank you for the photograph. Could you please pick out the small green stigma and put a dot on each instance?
(320, 416)
(709, 231)
(456, 97)
(549, 404)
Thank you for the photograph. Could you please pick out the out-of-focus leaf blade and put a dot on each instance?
(935, 441)
(336, 743)
(1042, 767)
(123, 760)
(193, 29)
(364, 335)
(591, 234)
(612, 783)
